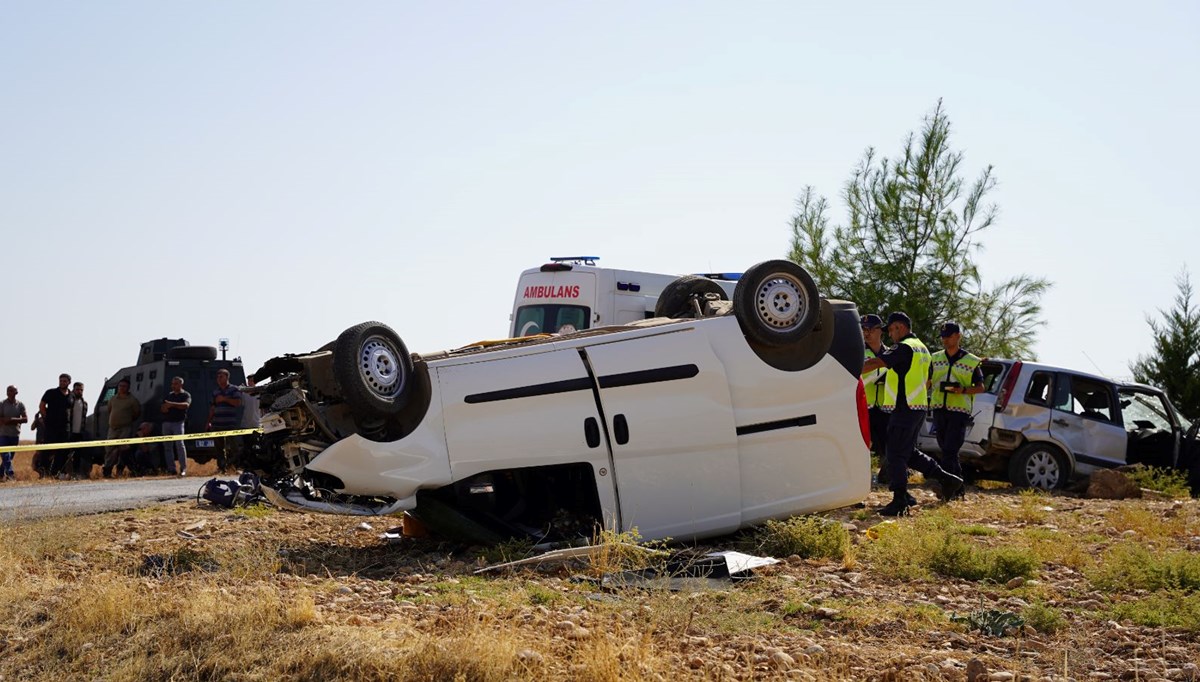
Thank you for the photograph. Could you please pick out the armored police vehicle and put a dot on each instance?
(150, 380)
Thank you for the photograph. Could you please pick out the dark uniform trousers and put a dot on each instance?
(950, 427)
(902, 453)
(879, 423)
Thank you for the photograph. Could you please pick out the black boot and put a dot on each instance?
(898, 506)
(950, 487)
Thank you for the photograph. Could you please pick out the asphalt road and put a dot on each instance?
(62, 498)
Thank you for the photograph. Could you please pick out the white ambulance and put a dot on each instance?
(571, 293)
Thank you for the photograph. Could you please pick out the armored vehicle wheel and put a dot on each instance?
(373, 369)
(192, 353)
(1039, 465)
(776, 302)
(676, 298)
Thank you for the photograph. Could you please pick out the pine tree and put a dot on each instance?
(1174, 365)
(909, 244)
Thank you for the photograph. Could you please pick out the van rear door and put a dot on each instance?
(550, 302)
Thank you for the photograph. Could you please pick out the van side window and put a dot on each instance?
(1039, 389)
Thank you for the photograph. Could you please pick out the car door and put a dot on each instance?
(1085, 418)
(669, 418)
(1154, 432)
(536, 409)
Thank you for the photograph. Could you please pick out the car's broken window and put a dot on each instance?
(1039, 389)
(1144, 411)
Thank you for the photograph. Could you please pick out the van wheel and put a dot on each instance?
(372, 367)
(776, 302)
(1038, 465)
(676, 298)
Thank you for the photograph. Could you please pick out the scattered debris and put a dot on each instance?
(715, 570)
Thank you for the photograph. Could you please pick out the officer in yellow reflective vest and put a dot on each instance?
(954, 380)
(877, 405)
(910, 360)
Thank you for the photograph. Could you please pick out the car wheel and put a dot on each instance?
(676, 298)
(373, 369)
(1038, 465)
(776, 302)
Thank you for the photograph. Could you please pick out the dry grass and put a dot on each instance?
(272, 595)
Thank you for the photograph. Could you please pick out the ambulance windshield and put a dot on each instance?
(550, 319)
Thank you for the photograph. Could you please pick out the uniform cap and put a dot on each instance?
(900, 317)
(949, 329)
(870, 321)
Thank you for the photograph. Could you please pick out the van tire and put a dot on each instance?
(192, 353)
(373, 370)
(675, 301)
(776, 302)
(1039, 465)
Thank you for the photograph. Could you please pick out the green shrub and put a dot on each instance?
(1043, 618)
(1172, 482)
(1162, 609)
(1129, 566)
(811, 537)
(957, 558)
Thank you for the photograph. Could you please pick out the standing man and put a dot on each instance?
(77, 423)
(910, 360)
(55, 409)
(12, 415)
(225, 413)
(953, 381)
(873, 381)
(123, 411)
(175, 408)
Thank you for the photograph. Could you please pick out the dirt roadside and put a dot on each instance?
(357, 606)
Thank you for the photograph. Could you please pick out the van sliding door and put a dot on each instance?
(668, 416)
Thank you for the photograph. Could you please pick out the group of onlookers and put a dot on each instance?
(62, 414)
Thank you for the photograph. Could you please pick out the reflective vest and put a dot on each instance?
(961, 372)
(873, 382)
(915, 390)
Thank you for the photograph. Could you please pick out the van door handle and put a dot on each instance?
(620, 429)
(591, 432)
(1061, 422)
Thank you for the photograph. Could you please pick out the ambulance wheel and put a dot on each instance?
(776, 302)
(373, 369)
(676, 298)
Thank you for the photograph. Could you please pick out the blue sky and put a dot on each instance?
(274, 172)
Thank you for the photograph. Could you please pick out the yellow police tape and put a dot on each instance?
(127, 441)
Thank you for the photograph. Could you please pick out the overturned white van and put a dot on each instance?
(736, 413)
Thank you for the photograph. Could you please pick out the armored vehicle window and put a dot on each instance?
(139, 377)
(153, 374)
